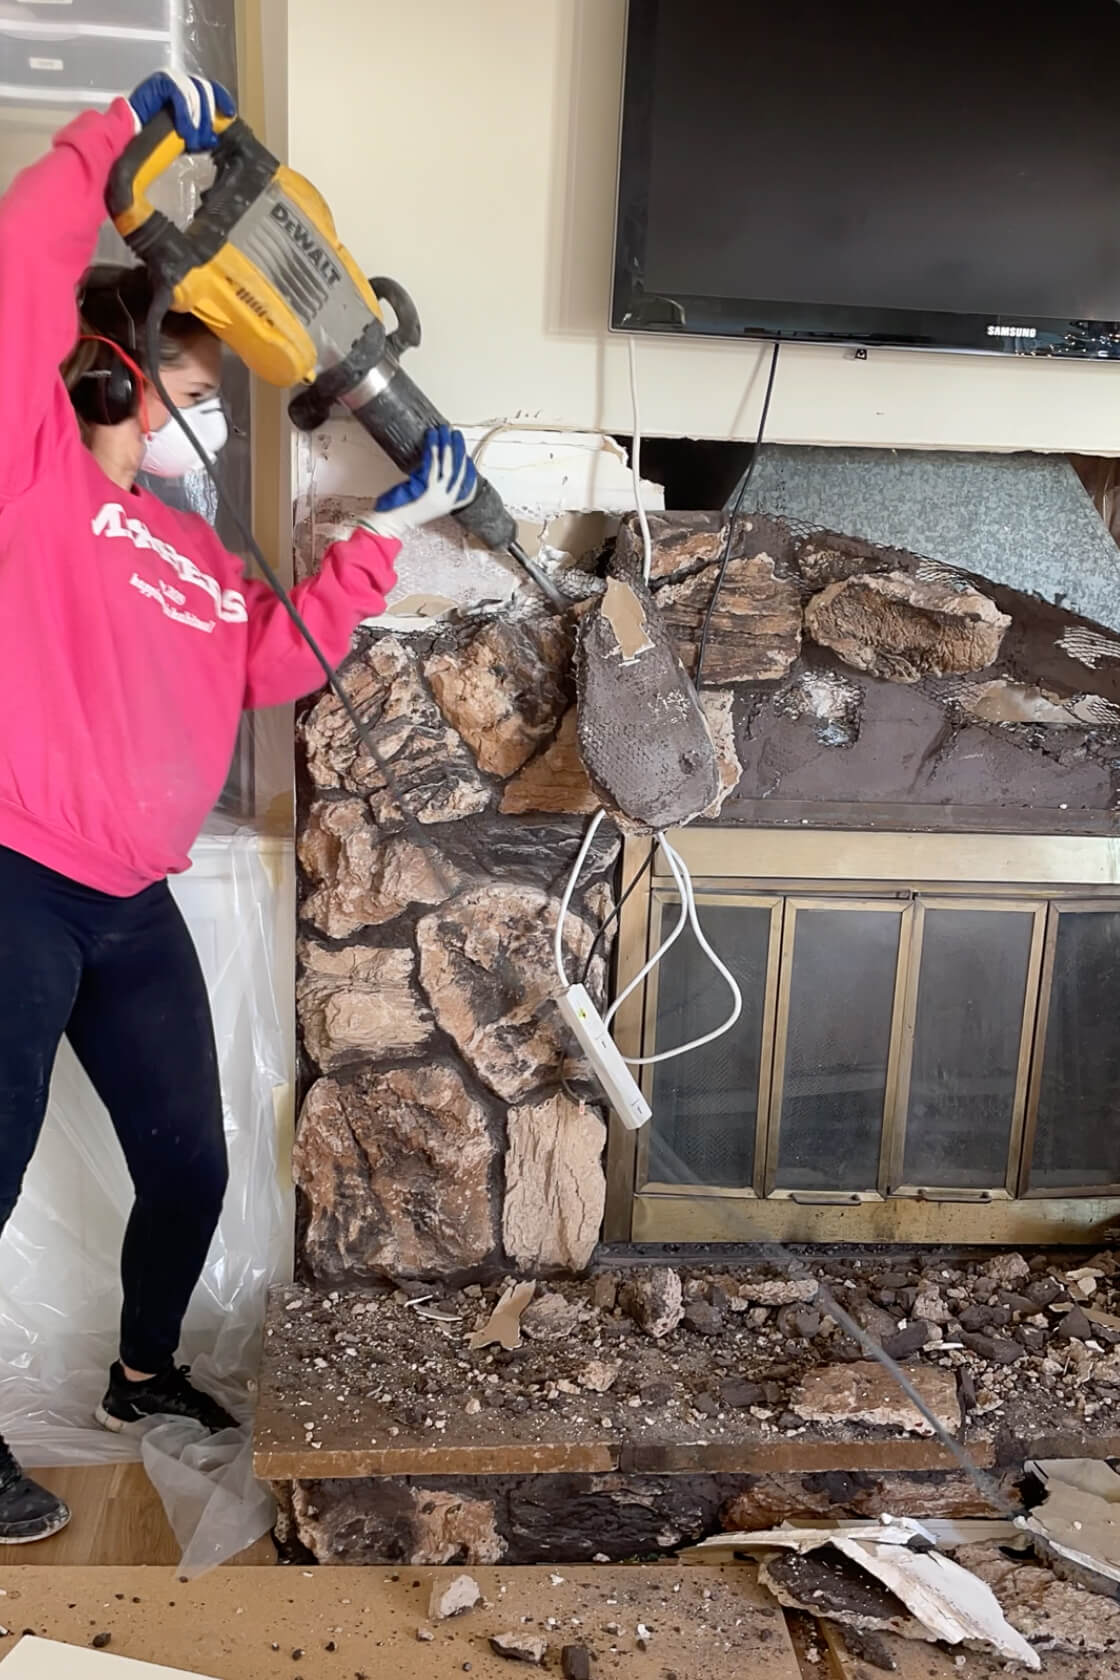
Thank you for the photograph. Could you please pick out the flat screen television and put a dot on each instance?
(941, 174)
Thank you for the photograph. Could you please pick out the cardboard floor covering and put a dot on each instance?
(361, 1624)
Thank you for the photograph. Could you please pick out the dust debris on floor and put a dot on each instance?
(1000, 1349)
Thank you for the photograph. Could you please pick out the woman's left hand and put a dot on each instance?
(444, 480)
(192, 101)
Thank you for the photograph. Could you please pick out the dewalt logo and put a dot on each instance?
(308, 243)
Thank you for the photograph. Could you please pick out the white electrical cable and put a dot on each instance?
(658, 954)
(679, 871)
(565, 902)
(636, 462)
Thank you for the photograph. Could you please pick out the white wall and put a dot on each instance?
(468, 148)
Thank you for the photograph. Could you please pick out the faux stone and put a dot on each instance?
(487, 967)
(395, 1170)
(357, 1003)
(550, 1318)
(553, 781)
(778, 1292)
(755, 631)
(436, 775)
(555, 1184)
(355, 1521)
(504, 688)
(865, 1393)
(360, 879)
(904, 628)
(654, 1300)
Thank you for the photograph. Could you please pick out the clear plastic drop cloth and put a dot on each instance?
(59, 1256)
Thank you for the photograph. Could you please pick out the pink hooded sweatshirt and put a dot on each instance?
(129, 640)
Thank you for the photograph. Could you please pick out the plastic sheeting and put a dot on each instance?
(59, 1256)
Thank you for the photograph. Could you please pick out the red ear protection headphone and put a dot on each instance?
(112, 389)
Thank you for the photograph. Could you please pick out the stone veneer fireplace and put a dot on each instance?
(921, 779)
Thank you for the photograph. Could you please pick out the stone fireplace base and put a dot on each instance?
(391, 1439)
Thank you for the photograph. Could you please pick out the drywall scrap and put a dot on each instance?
(45, 1659)
(1078, 1524)
(944, 1601)
(566, 490)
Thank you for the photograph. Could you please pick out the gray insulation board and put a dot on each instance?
(1025, 521)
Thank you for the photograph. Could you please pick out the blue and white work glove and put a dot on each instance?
(444, 480)
(192, 102)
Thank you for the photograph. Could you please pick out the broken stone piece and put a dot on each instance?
(703, 1319)
(519, 1647)
(907, 1342)
(599, 1376)
(799, 1321)
(1007, 1268)
(864, 1393)
(453, 1598)
(654, 1300)
(604, 1293)
(550, 1318)
(424, 1635)
(904, 628)
(575, 1662)
(1053, 1614)
(1075, 1326)
(555, 1184)
(778, 1292)
(929, 1306)
(741, 1394)
(998, 1350)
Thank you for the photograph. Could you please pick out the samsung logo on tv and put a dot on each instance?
(1012, 332)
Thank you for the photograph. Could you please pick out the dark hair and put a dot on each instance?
(113, 302)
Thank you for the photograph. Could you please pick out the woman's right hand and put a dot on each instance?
(192, 102)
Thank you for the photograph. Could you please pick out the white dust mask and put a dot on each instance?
(169, 452)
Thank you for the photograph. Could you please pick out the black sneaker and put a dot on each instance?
(27, 1511)
(129, 1405)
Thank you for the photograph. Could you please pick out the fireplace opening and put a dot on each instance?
(927, 1050)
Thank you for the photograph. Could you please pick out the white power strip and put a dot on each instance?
(622, 1091)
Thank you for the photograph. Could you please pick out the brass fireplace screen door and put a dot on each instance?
(929, 1048)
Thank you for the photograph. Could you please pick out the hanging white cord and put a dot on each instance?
(581, 859)
(661, 949)
(679, 871)
(636, 462)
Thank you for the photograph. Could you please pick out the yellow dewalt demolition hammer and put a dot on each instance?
(261, 265)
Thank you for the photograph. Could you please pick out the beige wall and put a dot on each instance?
(468, 148)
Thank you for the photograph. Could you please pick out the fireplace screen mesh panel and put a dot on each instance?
(903, 1045)
(706, 1104)
(965, 1077)
(834, 1073)
(1077, 1126)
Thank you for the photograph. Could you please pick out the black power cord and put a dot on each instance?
(161, 303)
(733, 516)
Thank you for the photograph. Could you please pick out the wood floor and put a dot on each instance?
(117, 1521)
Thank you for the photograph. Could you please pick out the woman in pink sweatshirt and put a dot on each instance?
(130, 643)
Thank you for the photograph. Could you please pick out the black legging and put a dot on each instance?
(121, 978)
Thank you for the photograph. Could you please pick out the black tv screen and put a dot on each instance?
(934, 173)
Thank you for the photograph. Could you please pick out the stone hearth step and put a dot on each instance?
(363, 1384)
